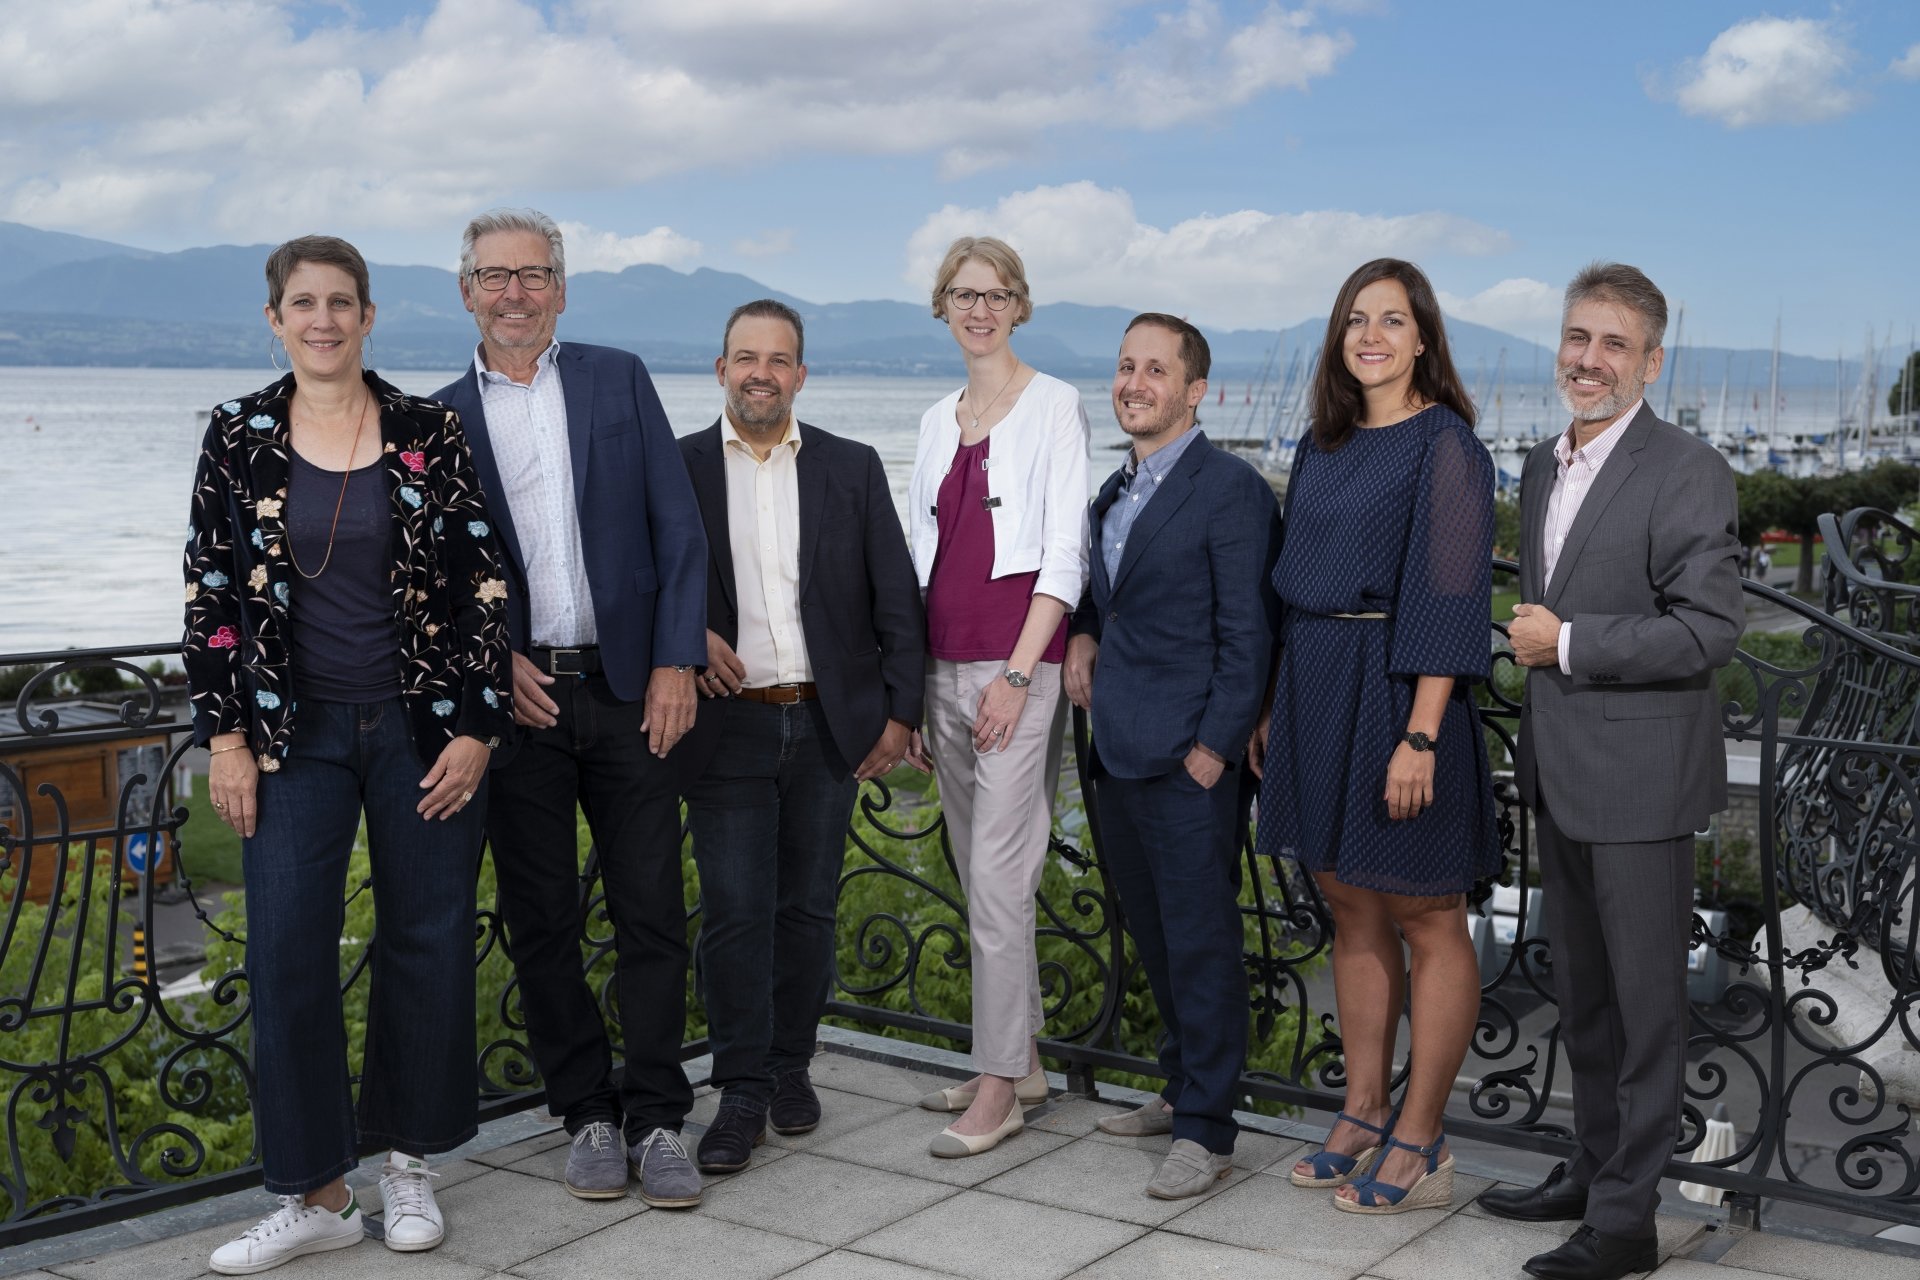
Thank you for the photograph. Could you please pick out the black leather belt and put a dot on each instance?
(583, 661)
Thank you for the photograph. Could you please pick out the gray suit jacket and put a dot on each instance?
(1628, 749)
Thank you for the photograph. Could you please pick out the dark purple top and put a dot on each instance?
(971, 615)
(346, 639)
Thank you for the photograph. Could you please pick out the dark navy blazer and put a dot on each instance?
(1187, 625)
(640, 529)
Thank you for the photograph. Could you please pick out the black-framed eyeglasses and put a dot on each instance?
(997, 299)
(494, 279)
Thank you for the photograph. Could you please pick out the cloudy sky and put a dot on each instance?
(1228, 160)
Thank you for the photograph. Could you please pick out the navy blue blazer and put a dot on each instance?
(859, 598)
(640, 528)
(1187, 626)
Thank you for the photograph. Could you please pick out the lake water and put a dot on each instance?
(96, 464)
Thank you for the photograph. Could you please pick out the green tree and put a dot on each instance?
(1898, 399)
(1506, 528)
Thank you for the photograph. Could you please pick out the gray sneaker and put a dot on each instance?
(597, 1166)
(1189, 1170)
(1150, 1119)
(668, 1179)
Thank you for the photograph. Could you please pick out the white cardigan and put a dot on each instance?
(1038, 469)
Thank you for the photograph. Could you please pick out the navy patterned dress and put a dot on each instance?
(1398, 520)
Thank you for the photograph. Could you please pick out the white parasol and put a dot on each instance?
(1717, 1143)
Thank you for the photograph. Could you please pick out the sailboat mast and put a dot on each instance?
(1679, 352)
(1720, 423)
(1773, 394)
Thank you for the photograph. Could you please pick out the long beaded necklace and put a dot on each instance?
(339, 503)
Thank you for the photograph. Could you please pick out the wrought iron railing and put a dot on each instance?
(119, 1081)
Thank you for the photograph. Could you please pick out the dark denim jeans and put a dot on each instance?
(769, 819)
(419, 1084)
(596, 757)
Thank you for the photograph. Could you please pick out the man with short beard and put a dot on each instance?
(1630, 590)
(1170, 651)
(816, 658)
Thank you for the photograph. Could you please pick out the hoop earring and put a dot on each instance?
(271, 358)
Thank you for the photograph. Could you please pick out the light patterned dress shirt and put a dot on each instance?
(1574, 473)
(527, 424)
(763, 526)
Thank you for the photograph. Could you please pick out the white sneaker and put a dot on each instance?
(295, 1228)
(412, 1219)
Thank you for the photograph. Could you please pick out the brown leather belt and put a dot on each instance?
(780, 694)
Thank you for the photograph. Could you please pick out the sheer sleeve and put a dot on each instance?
(1441, 612)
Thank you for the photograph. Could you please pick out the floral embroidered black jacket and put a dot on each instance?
(449, 591)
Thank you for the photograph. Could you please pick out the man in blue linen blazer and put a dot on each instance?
(607, 611)
(1170, 652)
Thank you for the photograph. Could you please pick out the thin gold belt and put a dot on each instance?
(1356, 615)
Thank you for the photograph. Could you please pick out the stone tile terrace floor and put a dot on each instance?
(859, 1199)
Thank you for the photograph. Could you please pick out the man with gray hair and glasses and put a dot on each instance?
(1630, 601)
(607, 612)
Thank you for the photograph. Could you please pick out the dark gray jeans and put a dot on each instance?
(769, 819)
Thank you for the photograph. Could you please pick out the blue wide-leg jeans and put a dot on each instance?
(419, 1084)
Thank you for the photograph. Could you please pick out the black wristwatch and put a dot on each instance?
(1418, 741)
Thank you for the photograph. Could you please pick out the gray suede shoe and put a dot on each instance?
(597, 1165)
(1148, 1120)
(668, 1179)
(1189, 1170)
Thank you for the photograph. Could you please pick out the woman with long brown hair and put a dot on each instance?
(1374, 773)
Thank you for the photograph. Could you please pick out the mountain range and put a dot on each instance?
(79, 301)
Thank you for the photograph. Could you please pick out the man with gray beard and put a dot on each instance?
(1630, 590)
(816, 658)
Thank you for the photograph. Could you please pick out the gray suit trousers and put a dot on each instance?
(1619, 916)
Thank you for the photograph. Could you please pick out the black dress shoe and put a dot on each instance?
(1557, 1199)
(795, 1107)
(1591, 1255)
(727, 1145)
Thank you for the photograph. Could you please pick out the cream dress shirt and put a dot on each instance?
(763, 526)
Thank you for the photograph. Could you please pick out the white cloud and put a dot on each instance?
(591, 250)
(1907, 66)
(1239, 270)
(1770, 71)
(1519, 305)
(768, 244)
(412, 124)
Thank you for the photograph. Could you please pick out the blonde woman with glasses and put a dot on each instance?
(997, 513)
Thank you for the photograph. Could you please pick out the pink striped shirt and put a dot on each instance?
(1574, 473)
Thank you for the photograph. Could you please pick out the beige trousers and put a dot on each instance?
(998, 817)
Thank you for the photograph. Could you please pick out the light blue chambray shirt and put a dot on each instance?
(1134, 495)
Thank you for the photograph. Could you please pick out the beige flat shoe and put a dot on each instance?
(949, 1145)
(1031, 1092)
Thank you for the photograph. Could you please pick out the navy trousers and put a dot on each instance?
(1172, 848)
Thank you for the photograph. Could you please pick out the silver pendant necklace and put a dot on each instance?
(996, 397)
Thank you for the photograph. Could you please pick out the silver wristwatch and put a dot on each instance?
(1018, 679)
